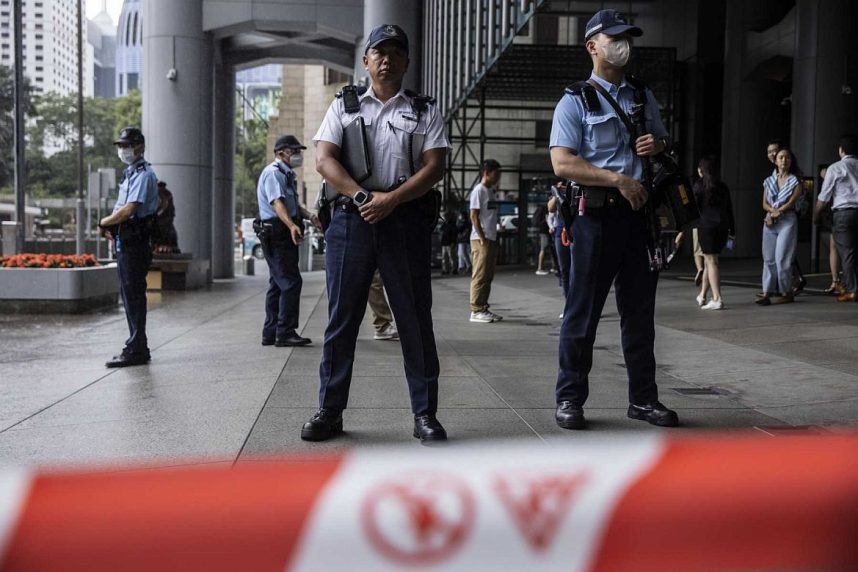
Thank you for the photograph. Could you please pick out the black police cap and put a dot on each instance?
(609, 22)
(130, 136)
(386, 32)
(288, 142)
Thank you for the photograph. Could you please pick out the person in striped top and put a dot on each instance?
(781, 190)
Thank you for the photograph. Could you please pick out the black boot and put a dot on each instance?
(654, 414)
(428, 428)
(570, 416)
(323, 425)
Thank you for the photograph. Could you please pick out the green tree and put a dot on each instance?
(7, 120)
(251, 141)
(55, 129)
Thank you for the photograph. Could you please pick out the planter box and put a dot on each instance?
(63, 290)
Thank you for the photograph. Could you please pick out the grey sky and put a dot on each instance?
(114, 7)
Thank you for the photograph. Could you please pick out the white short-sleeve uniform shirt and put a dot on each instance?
(388, 126)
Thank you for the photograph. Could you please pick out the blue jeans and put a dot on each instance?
(400, 247)
(779, 242)
(283, 298)
(609, 246)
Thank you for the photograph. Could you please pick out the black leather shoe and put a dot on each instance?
(654, 414)
(570, 416)
(267, 342)
(126, 360)
(293, 340)
(323, 425)
(428, 428)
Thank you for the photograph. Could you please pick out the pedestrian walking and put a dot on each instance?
(590, 144)
(463, 239)
(715, 228)
(383, 222)
(130, 227)
(448, 244)
(840, 189)
(382, 316)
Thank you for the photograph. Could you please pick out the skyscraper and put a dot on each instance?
(49, 33)
(129, 47)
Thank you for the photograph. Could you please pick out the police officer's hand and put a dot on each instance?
(379, 206)
(296, 233)
(105, 233)
(647, 146)
(314, 220)
(633, 191)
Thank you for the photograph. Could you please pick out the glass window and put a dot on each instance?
(134, 35)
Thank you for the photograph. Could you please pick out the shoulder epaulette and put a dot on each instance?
(141, 167)
(587, 93)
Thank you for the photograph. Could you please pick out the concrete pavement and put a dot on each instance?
(213, 394)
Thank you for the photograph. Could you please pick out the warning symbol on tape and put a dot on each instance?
(538, 503)
(419, 520)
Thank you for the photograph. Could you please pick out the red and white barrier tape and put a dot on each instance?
(645, 502)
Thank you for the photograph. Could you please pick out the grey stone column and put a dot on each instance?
(223, 195)
(825, 53)
(408, 14)
(177, 114)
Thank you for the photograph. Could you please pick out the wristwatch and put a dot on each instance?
(665, 144)
(361, 197)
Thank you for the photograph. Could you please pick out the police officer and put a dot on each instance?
(130, 226)
(591, 145)
(282, 216)
(377, 226)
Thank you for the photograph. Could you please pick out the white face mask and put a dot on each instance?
(296, 161)
(126, 154)
(616, 52)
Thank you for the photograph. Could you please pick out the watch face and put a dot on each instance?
(361, 197)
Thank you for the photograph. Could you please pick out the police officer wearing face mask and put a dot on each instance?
(591, 145)
(376, 224)
(130, 227)
(281, 215)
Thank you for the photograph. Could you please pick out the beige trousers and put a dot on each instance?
(381, 314)
(483, 272)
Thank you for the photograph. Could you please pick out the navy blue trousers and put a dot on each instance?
(283, 298)
(564, 261)
(609, 246)
(133, 260)
(399, 246)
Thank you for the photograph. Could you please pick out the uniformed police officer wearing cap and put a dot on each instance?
(373, 227)
(129, 226)
(591, 145)
(280, 210)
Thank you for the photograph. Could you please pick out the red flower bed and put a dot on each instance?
(48, 261)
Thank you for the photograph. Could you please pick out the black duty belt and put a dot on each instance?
(598, 197)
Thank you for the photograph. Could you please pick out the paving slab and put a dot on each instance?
(213, 394)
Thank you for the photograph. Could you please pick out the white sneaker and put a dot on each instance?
(542, 273)
(481, 317)
(713, 305)
(388, 332)
(701, 301)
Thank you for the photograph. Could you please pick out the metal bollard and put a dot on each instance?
(249, 269)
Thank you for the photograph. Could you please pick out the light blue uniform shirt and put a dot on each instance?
(273, 185)
(139, 185)
(600, 137)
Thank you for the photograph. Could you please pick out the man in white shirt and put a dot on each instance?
(840, 188)
(484, 249)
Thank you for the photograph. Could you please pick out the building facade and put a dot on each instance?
(129, 48)
(49, 29)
